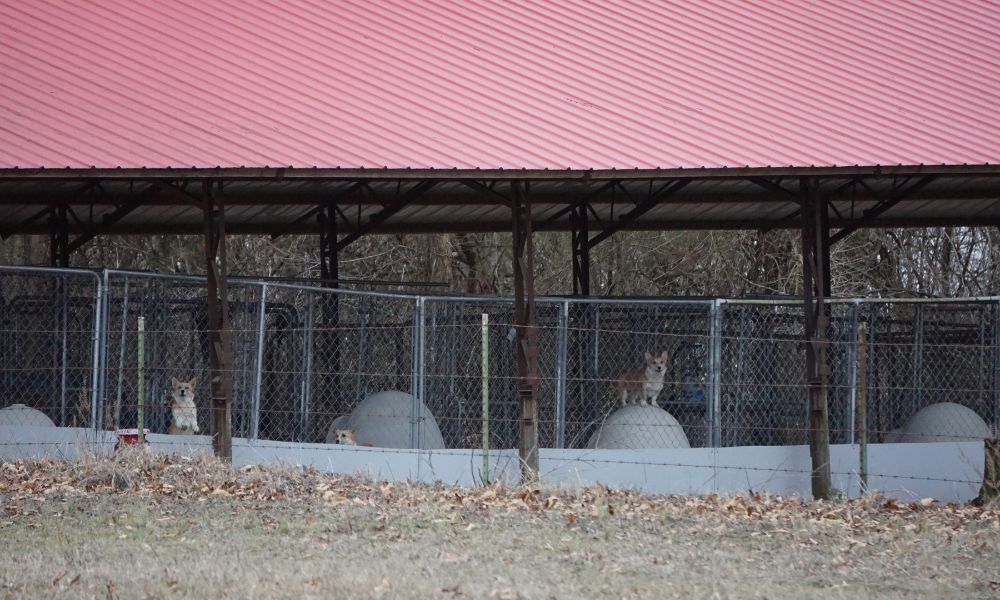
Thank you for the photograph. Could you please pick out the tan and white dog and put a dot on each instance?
(345, 437)
(184, 413)
(643, 383)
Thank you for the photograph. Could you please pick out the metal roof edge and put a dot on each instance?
(315, 173)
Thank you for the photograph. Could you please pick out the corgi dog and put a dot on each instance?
(345, 437)
(643, 383)
(184, 413)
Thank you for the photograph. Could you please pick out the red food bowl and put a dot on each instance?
(130, 437)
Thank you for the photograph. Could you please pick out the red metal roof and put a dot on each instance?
(486, 84)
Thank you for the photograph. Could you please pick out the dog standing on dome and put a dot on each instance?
(643, 383)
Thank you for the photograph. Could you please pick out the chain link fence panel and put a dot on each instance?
(925, 353)
(305, 356)
(453, 370)
(47, 332)
(605, 339)
(176, 346)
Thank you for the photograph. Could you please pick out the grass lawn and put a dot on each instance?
(141, 527)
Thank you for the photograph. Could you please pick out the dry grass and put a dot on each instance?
(138, 527)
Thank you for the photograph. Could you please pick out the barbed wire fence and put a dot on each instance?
(307, 358)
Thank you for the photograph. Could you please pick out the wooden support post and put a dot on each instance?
(527, 334)
(59, 237)
(328, 384)
(815, 289)
(220, 337)
(580, 237)
(329, 260)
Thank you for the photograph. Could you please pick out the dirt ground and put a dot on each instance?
(139, 527)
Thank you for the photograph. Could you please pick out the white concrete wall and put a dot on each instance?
(948, 471)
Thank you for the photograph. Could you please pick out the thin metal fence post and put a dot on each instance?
(561, 344)
(121, 353)
(878, 402)
(415, 423)
(996, 369)
(862, 386)
(64, 350)
(96, 354)
(981, 385)
(715, 373)
(852, 364)
(259, 373)
(414, 362)
(307, 349)
(916, 395)
(141, 379)
(485, 424)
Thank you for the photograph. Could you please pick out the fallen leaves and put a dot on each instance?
(26, 484)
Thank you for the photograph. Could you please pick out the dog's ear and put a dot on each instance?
(174, 382)
(649, 357)
(664, 355)
(193, 382)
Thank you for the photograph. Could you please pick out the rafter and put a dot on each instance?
(897, 196)
(583, 202)
(374, 221)
(108, 220)
(9, 231)
(309, 214)
(483, 189)
(772, 186)
(640, 209)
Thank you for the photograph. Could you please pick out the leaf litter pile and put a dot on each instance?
(157, 526)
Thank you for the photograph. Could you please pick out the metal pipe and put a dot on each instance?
(715, 374)
(416, 428)
(871, 343)
(980, 384)
(99, 375)
(792, 300)
(63, 270)
(561, 347)
(259, 374)
(360, 380)
(862, 387)
(121, 355)
(141, 379)
(307, 350)
(64, 300)
(852, 363)
(739, 396)
(918, 359)
(789, 300)
(289, 286)
(414, 363)
(797, 300)
(485, 422)
(996, 370)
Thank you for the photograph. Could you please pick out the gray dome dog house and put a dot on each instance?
(639, 426)
(383, 420)
(945, 422)
(21, 415)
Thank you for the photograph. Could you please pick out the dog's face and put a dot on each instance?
(657, 364)
(182, 389)
(344, 436)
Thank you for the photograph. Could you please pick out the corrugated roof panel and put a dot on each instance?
(483, 84)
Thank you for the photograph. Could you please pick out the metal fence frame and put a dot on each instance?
(95, 365)
(716, 339)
